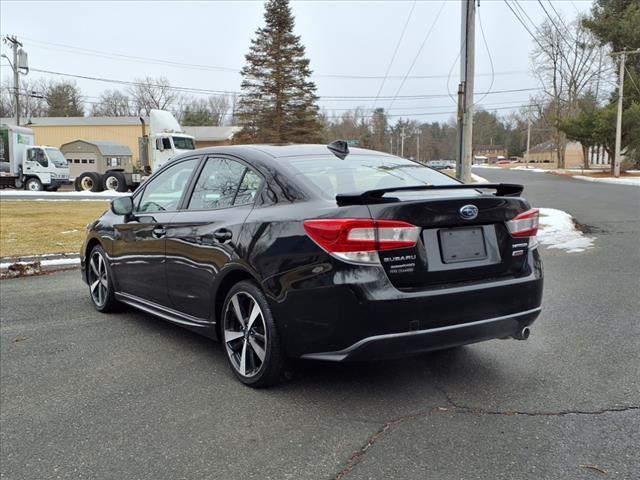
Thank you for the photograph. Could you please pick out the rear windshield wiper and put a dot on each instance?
(377, 195)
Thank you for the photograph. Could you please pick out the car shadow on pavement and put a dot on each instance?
(424, 376)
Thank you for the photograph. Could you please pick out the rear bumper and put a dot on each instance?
(356, 314)
(394, 345)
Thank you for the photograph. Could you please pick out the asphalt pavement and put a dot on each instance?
(128, 396)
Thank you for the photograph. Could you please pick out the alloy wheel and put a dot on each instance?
(98, 279)
(245, 334)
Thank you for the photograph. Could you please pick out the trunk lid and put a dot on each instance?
(464, 238)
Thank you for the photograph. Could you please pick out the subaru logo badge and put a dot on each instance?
(469, 212)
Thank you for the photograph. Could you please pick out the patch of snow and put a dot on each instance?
(533, 169)
(478, 179)
(635, 181)
(557, 230)
(46, 263)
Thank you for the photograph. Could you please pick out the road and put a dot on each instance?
(127, 396)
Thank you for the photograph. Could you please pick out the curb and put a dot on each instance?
(33, 265)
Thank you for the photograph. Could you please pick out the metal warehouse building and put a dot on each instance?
(56, 131)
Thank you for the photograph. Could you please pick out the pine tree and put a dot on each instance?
(278, 100)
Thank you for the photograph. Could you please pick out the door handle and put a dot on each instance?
(158, 232)
(222, 235)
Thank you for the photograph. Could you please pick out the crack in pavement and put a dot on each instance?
(356, 457)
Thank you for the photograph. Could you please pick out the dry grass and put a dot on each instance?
(32, 227)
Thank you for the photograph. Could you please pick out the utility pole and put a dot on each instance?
(528, 135)
(617, 159)
(402, 135)
(391, 144)
(418, 145)
(13, 42)
(465, 91)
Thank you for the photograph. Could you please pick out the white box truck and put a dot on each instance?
(26, 165)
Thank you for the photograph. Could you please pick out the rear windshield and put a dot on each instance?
(329, 175)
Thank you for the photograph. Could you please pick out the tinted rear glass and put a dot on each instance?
(329, 175)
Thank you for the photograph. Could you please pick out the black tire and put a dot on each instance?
(52, 189)
(89, 182)
(33, 185)
(100, 280)
(236, 339)
(114, 181)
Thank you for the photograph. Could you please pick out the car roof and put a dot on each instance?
(285, 150)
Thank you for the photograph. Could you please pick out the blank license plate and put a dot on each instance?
(462, 244)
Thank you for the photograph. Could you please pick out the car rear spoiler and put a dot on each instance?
(377, 195)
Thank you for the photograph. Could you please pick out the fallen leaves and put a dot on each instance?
(589, 466)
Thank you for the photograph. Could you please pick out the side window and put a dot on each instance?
(41, 159)
(163, 193)
(249, 187)
(166, 143)
(219, 184)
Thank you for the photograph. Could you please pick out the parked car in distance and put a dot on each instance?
(318, 252)
(442, 164)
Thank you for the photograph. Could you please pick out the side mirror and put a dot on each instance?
(159, 144)
(122, 206)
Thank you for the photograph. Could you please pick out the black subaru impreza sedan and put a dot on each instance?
(318, 252)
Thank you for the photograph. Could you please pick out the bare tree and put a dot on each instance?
(568, 62)
(32, 99)
(203, 111)
(153, 93)
(112, 103)
(219, 108)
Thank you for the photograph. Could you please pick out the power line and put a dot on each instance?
(415, 59)
(449, 76)
(336, 98)
(486, 46)
(554, 24)
(523, 24)
(451, 112)
(395, 52)
(102, 53)
(422, 107)
(559, 17)
(544, 49)
(151, 60)
(632, 80)
(525, 14)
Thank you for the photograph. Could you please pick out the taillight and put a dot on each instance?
(525, 224)
(359, 240)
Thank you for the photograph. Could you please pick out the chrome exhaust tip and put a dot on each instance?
(523, 334)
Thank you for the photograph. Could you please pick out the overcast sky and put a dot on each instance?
(355, 38)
